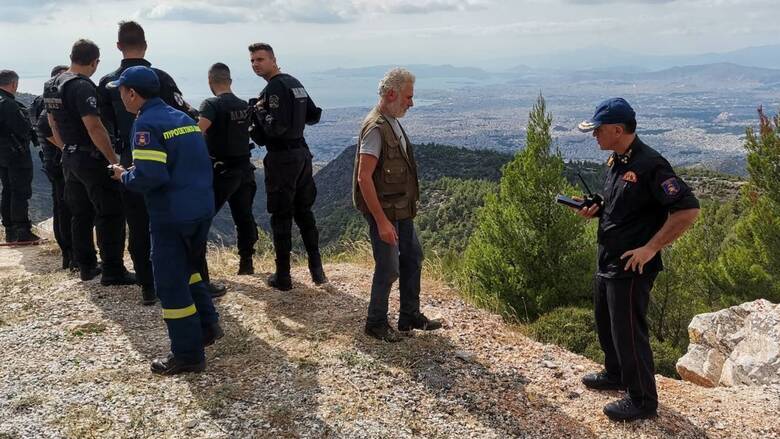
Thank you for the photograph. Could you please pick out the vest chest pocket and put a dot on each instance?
(395, 174)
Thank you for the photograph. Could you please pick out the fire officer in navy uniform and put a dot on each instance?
(171, 168)
(131, 41)
(281, 112)
(51, 157)
(16, 171)
(224, 119)
(646, 207)
(72, 103)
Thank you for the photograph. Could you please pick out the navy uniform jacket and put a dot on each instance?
(640, 191)
(171, 166)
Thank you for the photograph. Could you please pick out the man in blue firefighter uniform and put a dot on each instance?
(172, 169)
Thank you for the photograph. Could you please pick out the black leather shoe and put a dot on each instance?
(123, 278)
(148, 295)
(10, 234)
(280, 282)
(212, 333)
(170, 365)
(602, 381)
(246, 266)
(626, 410)
(216, 290)
(382, 332)
(26, 236)
(317, 273)
(418, 322)
(89, 273)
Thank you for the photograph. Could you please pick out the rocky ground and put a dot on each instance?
(74, 362)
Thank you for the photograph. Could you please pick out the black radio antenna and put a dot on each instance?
(584, 184)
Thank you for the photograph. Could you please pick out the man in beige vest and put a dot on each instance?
(386, 190)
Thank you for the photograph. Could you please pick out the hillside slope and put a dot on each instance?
(75, 362)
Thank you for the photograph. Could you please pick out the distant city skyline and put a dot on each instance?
(186, 37)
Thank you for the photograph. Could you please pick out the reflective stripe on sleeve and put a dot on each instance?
(150, 154)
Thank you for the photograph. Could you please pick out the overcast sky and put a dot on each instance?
(313, 35)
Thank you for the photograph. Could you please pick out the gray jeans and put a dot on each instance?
(402, 262)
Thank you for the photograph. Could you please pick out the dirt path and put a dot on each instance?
(74, 363)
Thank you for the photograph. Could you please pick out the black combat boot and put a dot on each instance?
(281, 280)
(10, 234)
(122, 278)
(246, 266)
(627, 410)
(170, 365)
(89, 272)
(602, 381)
(148, 295)
(382, 332)
(315, 269)
(212, 333)
(25, 236)
(418, 322)
(216, 290)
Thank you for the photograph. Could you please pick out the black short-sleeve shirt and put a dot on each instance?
(640, 191)
(79, 99)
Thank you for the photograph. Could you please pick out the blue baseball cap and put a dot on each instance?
(137, 77)
(615, 110)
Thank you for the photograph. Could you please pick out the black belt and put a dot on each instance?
(286, 145)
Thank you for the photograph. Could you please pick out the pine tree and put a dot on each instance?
(528, 255)
(751, 267)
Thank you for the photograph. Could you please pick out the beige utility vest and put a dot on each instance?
(395, 176)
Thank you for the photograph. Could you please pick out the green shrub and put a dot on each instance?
(571, 328)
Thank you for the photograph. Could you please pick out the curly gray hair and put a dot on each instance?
(394, 80)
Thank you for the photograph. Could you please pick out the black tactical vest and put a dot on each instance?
(228, 135)
(69, 123)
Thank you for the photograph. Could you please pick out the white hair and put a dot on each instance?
(394, 80)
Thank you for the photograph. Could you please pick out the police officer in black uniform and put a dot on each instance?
(646, 207)
(16, 172)
(51, 157)
(72, 104)
(281, 112)
(131, 41)
(224, 119)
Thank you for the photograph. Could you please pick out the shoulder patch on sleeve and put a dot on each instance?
(92, 101)
(142, 138)
(671, 186)
(273, 101)
(179, 99)
(300, 93)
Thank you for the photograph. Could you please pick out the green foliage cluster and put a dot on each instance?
(528, 256)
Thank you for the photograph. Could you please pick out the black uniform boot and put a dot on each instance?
(212, 333)
(246, 266)
(627, 410)
(122, 278)
(89, 272)
(26, 236)
(315, 269)
(602, 381)
(170, 365)
(281, 280)
(10, 234)
(148, 295)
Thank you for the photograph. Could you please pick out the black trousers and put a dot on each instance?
(60, 211)
(91, 193)
(236, 185)
(139, 244)
(621, 320)
(17, 190)
(291, 191)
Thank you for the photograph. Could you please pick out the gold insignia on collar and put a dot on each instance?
(611, 160)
